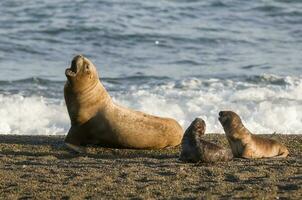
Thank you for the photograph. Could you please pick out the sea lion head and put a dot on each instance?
(198, 127)
(229, 120)
(82, 71)
(191, 141)
(194, 131)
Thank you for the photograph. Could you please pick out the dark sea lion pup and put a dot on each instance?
(246, 145)
(95, 119)
(195, 149)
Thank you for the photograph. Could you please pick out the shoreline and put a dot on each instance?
(38, 167)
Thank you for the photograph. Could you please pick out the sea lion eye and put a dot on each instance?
(87, 66)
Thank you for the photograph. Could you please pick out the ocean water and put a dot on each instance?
(180, 59)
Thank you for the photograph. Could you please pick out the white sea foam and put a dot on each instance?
(31, 116)
(265, 106)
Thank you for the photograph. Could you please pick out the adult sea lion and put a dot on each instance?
(195, 149)
(95, 119)
(246, 145)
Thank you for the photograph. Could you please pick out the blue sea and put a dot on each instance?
(172, 58)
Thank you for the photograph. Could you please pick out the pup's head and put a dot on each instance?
(229, 120)
(191, 151)
(197, 127)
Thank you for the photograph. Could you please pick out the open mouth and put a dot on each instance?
(72, 71)
(69, 72)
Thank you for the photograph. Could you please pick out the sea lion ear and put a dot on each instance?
(90, 74)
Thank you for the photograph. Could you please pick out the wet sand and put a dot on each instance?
(40, 167)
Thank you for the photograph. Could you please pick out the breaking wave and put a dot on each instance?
(266, 103)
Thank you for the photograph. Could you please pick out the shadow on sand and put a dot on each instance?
(42, 146)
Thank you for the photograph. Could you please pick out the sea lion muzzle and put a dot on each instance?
(222, 118)
(76, 64)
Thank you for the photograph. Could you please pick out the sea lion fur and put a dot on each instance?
(196, 149)
(246, 145)
(96, 119)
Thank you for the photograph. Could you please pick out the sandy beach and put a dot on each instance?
(40, 167)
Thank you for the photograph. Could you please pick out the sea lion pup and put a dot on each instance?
(95, 119)
(195, 149)
(246, 145)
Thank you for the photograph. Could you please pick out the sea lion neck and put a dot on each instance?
(78, 87)
(238, 132)
(93, 98)
(96, 90)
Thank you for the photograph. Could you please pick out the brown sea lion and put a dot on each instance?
(246, 145)
(95, 119)
(195, 149)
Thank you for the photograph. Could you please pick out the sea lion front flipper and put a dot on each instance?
(74, 140)
(75, 148)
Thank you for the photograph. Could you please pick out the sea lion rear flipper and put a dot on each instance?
(283, 152)
(227, 155)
